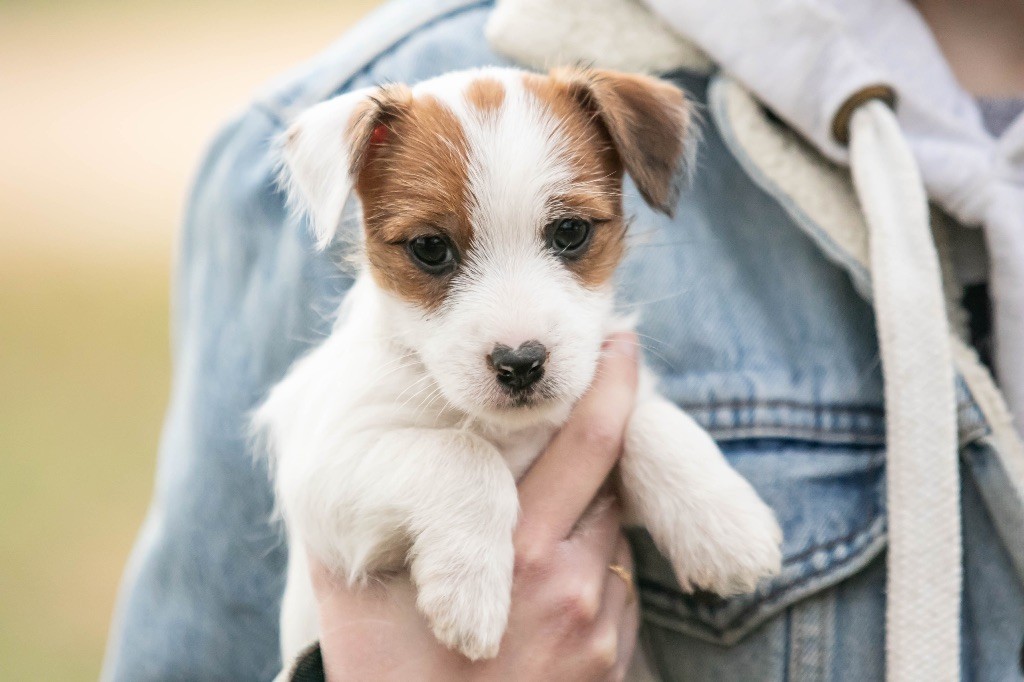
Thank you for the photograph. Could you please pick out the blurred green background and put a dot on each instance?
(105, 108)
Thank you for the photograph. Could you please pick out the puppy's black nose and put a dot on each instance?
(520, 368)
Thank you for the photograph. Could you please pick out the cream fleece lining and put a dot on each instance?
(611, 34)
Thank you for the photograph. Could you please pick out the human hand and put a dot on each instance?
(571, 617)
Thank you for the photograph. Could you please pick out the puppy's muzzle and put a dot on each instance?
(521, 368)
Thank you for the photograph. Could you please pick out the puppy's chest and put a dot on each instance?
(522, 448)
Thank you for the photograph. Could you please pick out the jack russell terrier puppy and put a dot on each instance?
(492, 224)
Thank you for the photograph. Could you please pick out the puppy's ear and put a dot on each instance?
(327, 147)
(649, 123)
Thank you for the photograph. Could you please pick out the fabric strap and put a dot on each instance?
(923, 493)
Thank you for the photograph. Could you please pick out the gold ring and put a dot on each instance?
(627, 578)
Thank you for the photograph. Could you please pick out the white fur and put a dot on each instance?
(318, 161)
(392, 444)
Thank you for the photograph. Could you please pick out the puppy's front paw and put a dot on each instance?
(737, 544)
(703, 515)
(467, 613)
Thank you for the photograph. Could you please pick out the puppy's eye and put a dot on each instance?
(432, 253)
(569, 236)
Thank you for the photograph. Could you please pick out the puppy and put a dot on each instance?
(492, 224)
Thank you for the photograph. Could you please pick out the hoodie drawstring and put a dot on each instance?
(922, 467)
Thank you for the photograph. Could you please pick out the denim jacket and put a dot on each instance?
(754, 308)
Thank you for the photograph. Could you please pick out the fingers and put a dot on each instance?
(579, 585)
(563, 481)
(618, 592)
(617, 624)
(597, 536)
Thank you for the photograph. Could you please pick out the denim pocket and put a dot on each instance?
(829, 500)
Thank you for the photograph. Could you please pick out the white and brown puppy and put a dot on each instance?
(492, 215)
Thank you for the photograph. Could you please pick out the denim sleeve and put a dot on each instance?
(200, 597)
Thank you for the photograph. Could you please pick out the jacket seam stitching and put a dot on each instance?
(397, 44)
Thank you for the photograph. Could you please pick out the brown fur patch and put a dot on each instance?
(597, 179)
(485, 94)
(414, 183)
(647, 120)
(376, 111)
(412, 177)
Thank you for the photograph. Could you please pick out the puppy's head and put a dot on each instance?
(492, 210)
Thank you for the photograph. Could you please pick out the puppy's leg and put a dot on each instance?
(719, 535)
(461, 504)
(443, 501)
